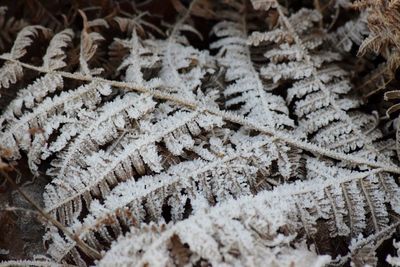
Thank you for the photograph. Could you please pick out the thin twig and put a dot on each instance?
(83, 246)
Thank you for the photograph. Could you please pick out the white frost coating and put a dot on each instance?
(238, 233)
(249, 152)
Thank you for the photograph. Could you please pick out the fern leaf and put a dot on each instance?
(89, 44)
(55, 56)
(132, 158)
(17, 133)
(25, 39)
(178, 187)
(318, 96)
(95, 130)
(351, 33)
(11, 72)
(256, 218)
(141, 57)
(245, 86)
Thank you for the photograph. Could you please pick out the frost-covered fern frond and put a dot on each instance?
(182, 66)
(85, 171)
(183, 88)
(253, 231)
(30, 130)
(318, 95)
(89, 44)
(136, 155)
(172, 62)
(351, 33)
(11, 72)
(142, 61)
(39, 110)
(193, 244)
(95, 129)
(53, 59)
(245, 90)
(220, 172)
(55, 56)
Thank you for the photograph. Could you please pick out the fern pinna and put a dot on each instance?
(245, 153)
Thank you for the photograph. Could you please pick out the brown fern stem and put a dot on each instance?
(223, 114)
